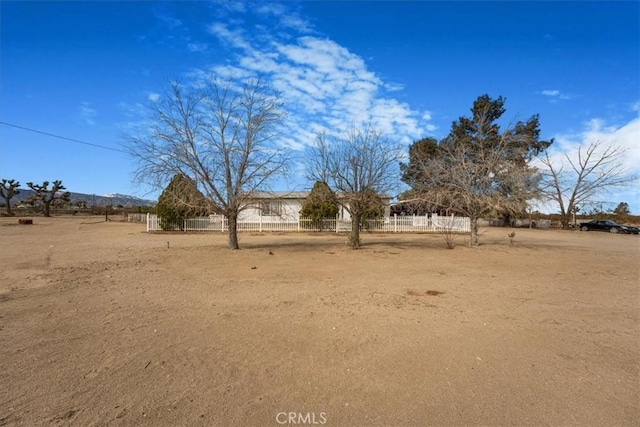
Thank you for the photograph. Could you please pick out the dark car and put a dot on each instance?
(608, 225)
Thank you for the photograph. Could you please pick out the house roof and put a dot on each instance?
(290, 195)
(258, 195)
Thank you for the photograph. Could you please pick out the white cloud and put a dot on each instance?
(197, 47)
(295, 22)
(223, 72)
(232, 5)
(635, 106)
(232, 38)
(171, 22)
(266, 8)
(550, 92)
(626, 136)
(285, 18)
(554, 94)
(87, 113)
(393, 87)
(323, 84)
(137, 115)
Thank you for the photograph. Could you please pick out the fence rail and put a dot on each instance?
(137, 217)
(394, 224)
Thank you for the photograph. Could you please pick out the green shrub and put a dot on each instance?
(180, 200)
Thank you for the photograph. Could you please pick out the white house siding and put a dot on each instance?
(290, 207)
(289, 210)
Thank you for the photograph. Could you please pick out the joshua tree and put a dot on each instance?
(48, 196)
(8, 189)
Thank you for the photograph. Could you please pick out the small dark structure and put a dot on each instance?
(25, 221)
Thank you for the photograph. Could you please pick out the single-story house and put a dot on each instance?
(285, 205)
(276, 204)
(418, 207)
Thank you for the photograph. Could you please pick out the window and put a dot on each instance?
(271, 207)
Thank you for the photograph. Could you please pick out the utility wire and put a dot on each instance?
(62, 137)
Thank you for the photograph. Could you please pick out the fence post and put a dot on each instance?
(299, 219)
(337, 216)
(147, 222)
(260, 226)
(395, 223)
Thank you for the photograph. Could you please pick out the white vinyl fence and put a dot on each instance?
(259, 224)
(137, 217)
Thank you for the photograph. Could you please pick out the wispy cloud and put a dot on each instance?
(169, 21)
(323, 84)
(284, 17)
(233, 38)
(626, 136)
(238, 6)
(295, 22)
(554, 94)
(137, 116)
(153, 97)
(394, 87)
(87, 114)
(197, 47)
(597, 130)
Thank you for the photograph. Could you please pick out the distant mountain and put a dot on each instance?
(125, 200)
(113, 199)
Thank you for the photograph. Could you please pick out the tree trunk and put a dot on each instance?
(47, 208)
(474, 232)
(233, 231)
(506, 220)
(565, 217)
(9, 213)
(354, 238)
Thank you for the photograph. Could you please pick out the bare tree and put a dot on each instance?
(8, 189)
(575, 181)
(217, 134)
(468, 179)
(360, 166)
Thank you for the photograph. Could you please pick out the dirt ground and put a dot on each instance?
(104, 324)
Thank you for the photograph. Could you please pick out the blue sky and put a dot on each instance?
(86, 70)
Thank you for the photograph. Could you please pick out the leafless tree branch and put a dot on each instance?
(594, 169)
(219, 136)
(360, 166)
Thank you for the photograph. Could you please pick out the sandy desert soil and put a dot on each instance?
(103, 324)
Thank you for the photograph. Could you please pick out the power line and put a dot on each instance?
(63, 137)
